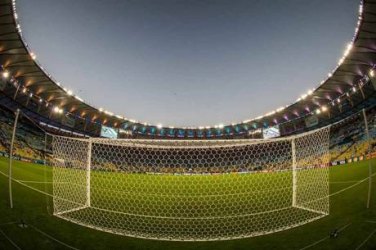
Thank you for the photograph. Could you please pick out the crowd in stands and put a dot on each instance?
(347, 139)
(29, 141)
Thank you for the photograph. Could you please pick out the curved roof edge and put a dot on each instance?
(20, 62)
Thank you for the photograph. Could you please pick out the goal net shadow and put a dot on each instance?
(192, 190)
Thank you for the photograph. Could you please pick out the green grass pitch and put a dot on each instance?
(186, 207)
(33, 206)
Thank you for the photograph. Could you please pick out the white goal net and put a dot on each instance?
(192, 189)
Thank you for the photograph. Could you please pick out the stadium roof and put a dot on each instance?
(20, 64)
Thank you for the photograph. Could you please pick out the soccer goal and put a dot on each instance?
(194, 190)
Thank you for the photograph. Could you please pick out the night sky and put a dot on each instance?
(188, 62)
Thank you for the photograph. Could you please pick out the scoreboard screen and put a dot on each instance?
(271, 132)
(108, 132)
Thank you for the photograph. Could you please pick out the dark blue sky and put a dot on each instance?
(188, 62)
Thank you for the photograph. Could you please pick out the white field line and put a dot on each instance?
(9, 239)
(39, 191)
(339, 191)
(23, 184)
(370, 221)
(192, 218)
(341, 182)
(8, 223)
(335, 193)
(208, 195)
(52, 238)
(367, 239)
(323, 239)
(205, 195)
(351, 186)
(41, 182)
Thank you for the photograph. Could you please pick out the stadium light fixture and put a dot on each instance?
(371, 73)
(280, 109)
(31, 95)
(318, 111)
(348, 49)
(354, 89)
(56, 109)
(33, 56)
(60, 111)
(341, 61)
(79, 98)
(324, 109)
(40, 100)
(5, 74)
(270, 113)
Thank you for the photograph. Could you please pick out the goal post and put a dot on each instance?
(294, 174)
(311, 182)
(71, 183)
(192, 190)
(88, 172)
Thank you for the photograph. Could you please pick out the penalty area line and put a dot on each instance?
(25, 185)
(8, 223)
(342, 182)
(52, 238)
(41, 182)
(367, 239)
(325, 238)
(9, 239)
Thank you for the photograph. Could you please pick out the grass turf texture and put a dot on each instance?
(186, 207)
(347, 212)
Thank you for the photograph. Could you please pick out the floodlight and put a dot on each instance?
(5, 74)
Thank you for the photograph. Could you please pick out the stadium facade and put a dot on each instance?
(25, 85)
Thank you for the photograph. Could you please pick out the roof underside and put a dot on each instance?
(15, 58)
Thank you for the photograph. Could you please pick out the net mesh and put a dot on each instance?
(192, 190)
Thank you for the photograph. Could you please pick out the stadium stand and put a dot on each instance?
(348, 138)
(29, 142)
